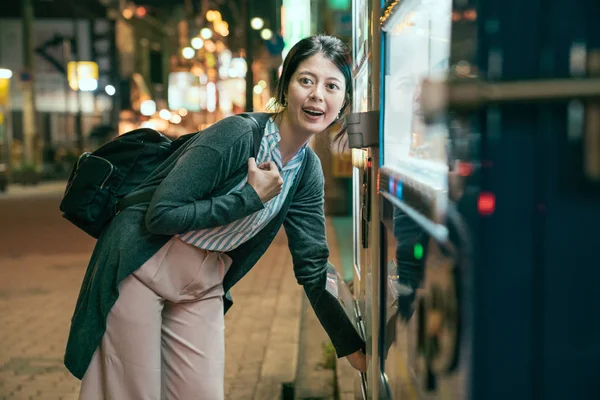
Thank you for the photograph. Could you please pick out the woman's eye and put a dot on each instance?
(305, 81)
(333, 86)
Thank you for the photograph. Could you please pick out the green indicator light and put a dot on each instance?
(418, 251)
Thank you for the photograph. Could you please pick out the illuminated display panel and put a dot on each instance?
(417, 47)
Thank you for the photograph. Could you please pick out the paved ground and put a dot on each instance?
(42, 261)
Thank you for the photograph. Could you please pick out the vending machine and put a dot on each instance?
(487, 202)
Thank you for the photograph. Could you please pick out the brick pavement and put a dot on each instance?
(38, 292)
(37, 295)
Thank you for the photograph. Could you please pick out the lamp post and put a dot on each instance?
(5, 75)
(256, 24)
(249, 56)
(27, 81)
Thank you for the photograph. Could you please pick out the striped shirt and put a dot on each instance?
(228, 237)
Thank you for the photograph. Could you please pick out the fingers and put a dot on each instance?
(269, 166)
(358, 360)
(252, 163)
(264, 166)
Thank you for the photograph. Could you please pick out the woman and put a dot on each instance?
(148, 323)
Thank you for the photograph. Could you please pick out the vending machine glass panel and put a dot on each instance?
(417, 48)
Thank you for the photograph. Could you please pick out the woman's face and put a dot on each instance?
(315, 94)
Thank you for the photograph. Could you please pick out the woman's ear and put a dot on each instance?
(344, 106)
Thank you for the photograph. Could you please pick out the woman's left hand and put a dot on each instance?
(358, 360)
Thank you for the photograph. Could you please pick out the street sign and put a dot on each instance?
(83, 75)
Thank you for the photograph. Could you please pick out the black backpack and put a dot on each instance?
(101, 179)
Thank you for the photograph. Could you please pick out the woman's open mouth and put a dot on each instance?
(313, 113)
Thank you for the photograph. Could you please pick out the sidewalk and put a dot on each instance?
(262, 330)
(37, 296)
(42, 188)
(38, 293)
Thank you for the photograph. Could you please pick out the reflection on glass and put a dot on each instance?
(360, 50)
(418, 47)
(407, 245)
(361, 90)
(422, 320)
(360, 10)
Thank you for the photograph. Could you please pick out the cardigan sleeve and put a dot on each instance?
(183, 201)
(305, 229)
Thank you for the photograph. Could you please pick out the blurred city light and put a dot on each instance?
(197, 43)
(206, 33)
(211, 96)
(88, 84)
(148, 107)
(213, 16)
(183, 112)
(210, 46)
(188, 53)
(266, 34)
(257, 23)
(175, 118)
(5, 73)
(222, 27)
(165, 114)
(239, 67)
(140, 12)
(110, 90)
(258, 89)
(128, 13)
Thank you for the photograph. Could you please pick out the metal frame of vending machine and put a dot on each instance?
(363, 138)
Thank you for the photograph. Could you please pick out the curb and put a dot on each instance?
(45, 188)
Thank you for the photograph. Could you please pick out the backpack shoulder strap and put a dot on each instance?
(257, 130)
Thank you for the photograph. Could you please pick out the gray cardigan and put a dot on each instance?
(191, 193)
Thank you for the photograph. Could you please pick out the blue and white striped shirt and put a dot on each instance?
(228, 237)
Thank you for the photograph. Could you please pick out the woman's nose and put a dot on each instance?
(317, 94)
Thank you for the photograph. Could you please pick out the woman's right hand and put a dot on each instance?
(358, 360)
(265, 179)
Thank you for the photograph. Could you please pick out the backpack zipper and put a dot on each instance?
(112, 167)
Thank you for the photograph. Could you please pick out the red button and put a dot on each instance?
(486, 203)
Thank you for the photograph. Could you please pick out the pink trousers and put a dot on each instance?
(164, 337)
